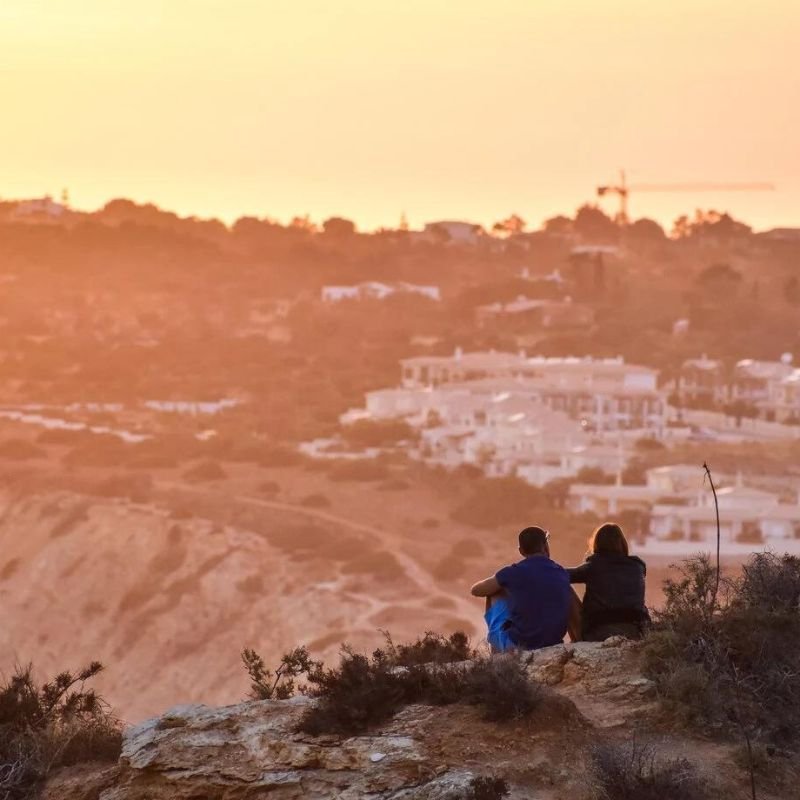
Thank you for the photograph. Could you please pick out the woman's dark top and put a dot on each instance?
(614, 591)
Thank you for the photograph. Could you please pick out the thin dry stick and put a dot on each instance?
(743, 728)
(716, 507)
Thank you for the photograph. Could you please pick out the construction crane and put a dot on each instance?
(623, 190)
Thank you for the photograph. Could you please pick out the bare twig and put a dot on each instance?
(737, 713)
(716, 508)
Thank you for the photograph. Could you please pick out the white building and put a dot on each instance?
(453, 232)
(41, 208)
(702, 380)
(746, 515)
(678, 483)
(375, 290)
(785, 398)
(603, 394)
(755, 383)
(542, 313)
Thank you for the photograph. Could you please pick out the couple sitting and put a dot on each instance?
(531, 604)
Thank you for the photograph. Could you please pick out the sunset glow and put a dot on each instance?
(368, 109)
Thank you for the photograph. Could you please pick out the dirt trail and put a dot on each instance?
(424, 588)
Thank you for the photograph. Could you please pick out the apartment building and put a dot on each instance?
(603, 394)
(703, 382)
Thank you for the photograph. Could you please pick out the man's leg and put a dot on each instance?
(496, 616)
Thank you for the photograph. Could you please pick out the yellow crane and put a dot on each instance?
(623, 190)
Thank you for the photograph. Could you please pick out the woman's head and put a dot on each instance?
(609, 539)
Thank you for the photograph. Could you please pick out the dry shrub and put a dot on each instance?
(9, 568)
(731, 662)
(315, 500)
(431, 648)
(98, 450)
(279, 685)
(152, 462)
(277, 456)
(485, 788)
(635, 772)
(181, 512)
(362, 692)
(494, 502)
(380, 564)
(20, 450)
(252, 584)
(137, 488)
(167, 448)
(74, 517)
(394, 485)
(450, 568)
(61, 436)
(59, 723)
(378, 433)
(365, 691)
(205, 471)
(358, 470)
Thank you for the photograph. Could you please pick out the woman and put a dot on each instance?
(614, 601)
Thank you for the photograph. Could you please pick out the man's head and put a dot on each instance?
(534, 541)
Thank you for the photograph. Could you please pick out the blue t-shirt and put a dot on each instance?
(539, 597)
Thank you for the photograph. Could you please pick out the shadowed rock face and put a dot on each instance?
(252, 750)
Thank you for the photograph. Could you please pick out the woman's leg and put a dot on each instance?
(575, 621)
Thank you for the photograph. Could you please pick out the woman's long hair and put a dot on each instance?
(608, 539)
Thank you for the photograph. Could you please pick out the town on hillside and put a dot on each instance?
(596, 359)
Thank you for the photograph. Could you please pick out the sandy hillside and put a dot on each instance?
(166, 592)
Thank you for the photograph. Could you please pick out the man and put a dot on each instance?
(528, 603)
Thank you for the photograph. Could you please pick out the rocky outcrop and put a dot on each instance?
(603, 680)
(253, 750)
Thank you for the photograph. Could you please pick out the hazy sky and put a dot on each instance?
(368, 108)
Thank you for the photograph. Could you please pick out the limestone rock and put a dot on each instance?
(253, 750)
(603, 679)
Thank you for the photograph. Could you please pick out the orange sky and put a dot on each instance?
(367, 108)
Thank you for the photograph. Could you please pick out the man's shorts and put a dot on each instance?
(497, 616)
